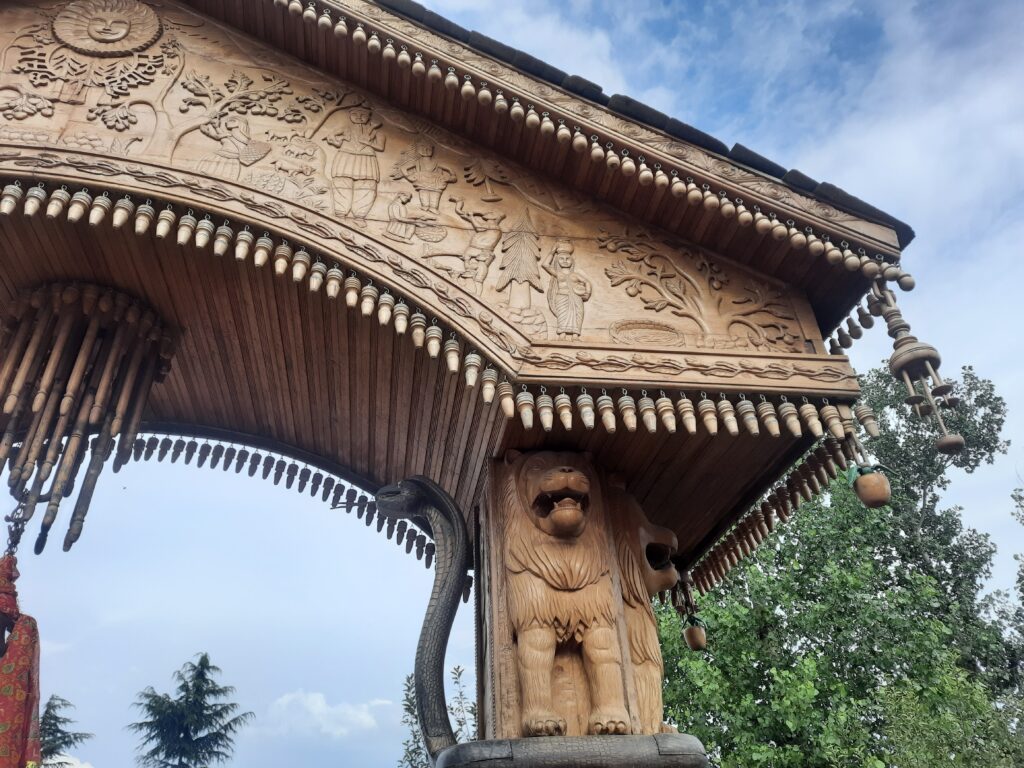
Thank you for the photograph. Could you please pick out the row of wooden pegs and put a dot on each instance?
(630, 164)
(812, 475)
(302, 478)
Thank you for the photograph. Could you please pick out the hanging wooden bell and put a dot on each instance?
(545, 411)
(830, 415)
(627, 165)
(525, 406)
(368, 300)
(467, 91)
(695, 634)
(282, 258)
(606, 409)
(222, 238)
(472, 365)
(452, 355)
(334, 279)
(611, 159)
(596, 151)
(261, 251)
(10, 198)
(827, 463)
(352, 290)
(677, 187)
(506, 399)
(815, 246)
(317, 275)
(123, 210)
(809, 415)
(644, 175)
(627, 409)
(186, 228)
(99, 208)
(500, 104)
(244, 240)
(687, 413)
(547, 125)
(711, 201)
(585, 406)
(648, 413)
(726, 207)
(748, 414)
(762, 224)
(563, 135)
(204, 232)
(389, 54)
(563, 407)
(835, 448)
(579, 142)
(80, 203)
(516, 112)
(667, 413)
(33, 200)
(769, 418)
(866, 417)
(385, 308)
(300, 265)
(790, 417)
(797, 239)
(727, 413)
(872, 487)
(488, 383)
(418, 329)
(404, 60)
(59, 199)
(401, 317)
(359, 35)
(434, 336)
(743, 216)
(708, 415)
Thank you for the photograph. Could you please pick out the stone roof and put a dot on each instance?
(634, 110)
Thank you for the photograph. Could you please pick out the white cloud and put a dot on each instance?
(310, 713)
(52, 648)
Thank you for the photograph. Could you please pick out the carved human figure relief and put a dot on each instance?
(236, 148)
(567, 290)
(355, 170)
(477, 257)
(559, 588)
(428, 177)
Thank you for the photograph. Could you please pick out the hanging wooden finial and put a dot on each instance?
(809, 415)
(606, 409)
(727, 412)
(667, 413)
(627, 410)
(708, 414)
(545, 410)
(563, 407)
(687, 413)
(489, 382)
(585, 406)
(748, 414)
(506, 398)
(648, 412)
(525, 406)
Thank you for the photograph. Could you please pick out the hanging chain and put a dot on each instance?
(16, 522)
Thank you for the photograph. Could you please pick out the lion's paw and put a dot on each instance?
(544, 724)
(612, 722)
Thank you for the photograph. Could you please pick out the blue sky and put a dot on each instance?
(914, 107)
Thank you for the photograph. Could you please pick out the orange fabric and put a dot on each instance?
(19, 679)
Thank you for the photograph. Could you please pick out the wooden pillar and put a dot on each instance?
(569, 562)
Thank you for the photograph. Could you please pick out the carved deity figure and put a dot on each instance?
(567, 291)
(355, 171)
(419, 167)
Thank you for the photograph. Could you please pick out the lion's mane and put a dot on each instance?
(553, 582)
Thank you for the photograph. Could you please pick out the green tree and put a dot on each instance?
(194, 728)
(461, 709)
(56, 738)
(851, 629)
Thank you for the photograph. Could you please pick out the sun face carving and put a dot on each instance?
(107, 27)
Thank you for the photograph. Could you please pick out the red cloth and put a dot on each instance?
(19, 678)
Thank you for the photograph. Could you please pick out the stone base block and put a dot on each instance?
(666, 750)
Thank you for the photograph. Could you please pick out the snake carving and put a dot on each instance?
(423, 501)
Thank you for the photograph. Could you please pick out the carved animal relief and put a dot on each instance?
(574, 634)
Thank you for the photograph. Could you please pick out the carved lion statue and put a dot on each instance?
(644, 551)
(559, 587)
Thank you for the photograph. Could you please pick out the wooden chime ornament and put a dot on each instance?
(694, 629)
(79, 364)
(917, 365)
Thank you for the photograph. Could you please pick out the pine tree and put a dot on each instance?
(56, 740)
(193, 729)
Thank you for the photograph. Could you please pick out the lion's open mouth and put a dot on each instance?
(565, 499)
(659, 556)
